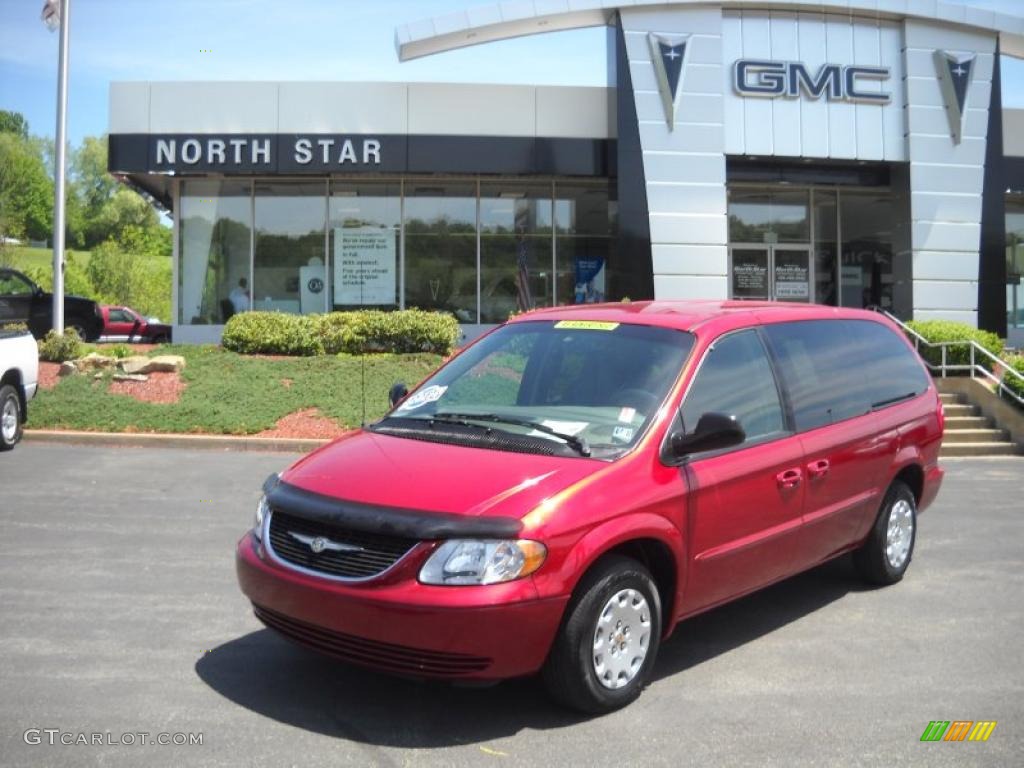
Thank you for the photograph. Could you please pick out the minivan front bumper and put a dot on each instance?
(404, 627)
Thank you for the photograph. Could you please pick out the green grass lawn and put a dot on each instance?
(228, 393)
(22, 256)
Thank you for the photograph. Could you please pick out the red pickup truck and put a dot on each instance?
(125, 324)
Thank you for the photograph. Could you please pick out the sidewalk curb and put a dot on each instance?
(147, 440)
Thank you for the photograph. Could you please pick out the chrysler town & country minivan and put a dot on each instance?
(566, 489)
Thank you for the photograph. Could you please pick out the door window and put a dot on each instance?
(736, 379)
(120, 316)
(12, 284)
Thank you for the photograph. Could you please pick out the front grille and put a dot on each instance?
(400, 659)
(378, 552)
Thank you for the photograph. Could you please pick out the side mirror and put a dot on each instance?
(714, 431)
(397, 392)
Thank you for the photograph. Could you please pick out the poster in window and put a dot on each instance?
(364, 265)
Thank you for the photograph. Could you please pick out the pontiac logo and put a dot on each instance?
(318, 544)
(955, 73)
(668, 55)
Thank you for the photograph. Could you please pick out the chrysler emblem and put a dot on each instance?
(318, 544)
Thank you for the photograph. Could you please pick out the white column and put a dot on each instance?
(945, 178)
(684, 169)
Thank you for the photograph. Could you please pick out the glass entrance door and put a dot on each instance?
(771, 272)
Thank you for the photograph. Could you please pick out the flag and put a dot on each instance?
(523, 298)
(51, 14)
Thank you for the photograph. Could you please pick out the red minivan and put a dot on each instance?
(570, 486)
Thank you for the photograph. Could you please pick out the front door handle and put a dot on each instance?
(789, 478)
(817, 469)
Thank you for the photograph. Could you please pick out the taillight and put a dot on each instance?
(940, 414)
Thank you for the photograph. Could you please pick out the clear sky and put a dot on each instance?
(280, 40)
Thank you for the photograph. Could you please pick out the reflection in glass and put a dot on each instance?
(763, 216)
(867, 277)
(825, 247)
(586, 267)
(515, 249)
(1014, 260)
(214, 242)
(290, 267)
(440, 247)
(363, 244)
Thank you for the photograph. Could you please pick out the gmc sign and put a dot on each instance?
(790, 79)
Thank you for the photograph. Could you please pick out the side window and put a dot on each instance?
(736, 379)
(892, 368)
(13, 285)
(120, 316)
(823, 363)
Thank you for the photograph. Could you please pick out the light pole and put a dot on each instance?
(55, 14)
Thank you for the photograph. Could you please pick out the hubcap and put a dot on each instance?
(621, 638)
(900, 533)
(9, 419)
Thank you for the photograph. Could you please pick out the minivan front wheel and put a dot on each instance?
(606, 648)
(885, 556)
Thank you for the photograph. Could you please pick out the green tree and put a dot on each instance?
(26, 191)
(119, 277)
(94, 186)
(13, 122)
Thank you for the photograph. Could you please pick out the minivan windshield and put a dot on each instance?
(569, 387)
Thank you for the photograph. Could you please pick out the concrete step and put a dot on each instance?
(960, 410)
(978, 449)
(967, 422)
(974, 436)
(949, 398)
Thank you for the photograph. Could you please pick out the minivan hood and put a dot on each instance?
(412, 474)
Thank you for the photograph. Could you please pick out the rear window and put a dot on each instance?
(840, 369)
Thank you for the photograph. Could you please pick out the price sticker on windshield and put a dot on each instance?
(587, 325)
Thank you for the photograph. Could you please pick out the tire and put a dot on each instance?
(79, 329)
(10, 417)
(876, 561)
(571, 673)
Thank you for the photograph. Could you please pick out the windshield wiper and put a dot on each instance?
(893, 400)
(580, 444)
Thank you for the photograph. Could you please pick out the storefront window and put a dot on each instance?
(768, 216)
(1015, 261)
(867, 262)
(516, 267)
(584, 223)
(825, 247)
(290, 267)
(440, 248)
(364, 245)
(214, 243)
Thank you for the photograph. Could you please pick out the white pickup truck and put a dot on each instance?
(19, 373)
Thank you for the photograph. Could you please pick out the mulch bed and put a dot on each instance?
(48, 378)
(306, 424)
(161, 388)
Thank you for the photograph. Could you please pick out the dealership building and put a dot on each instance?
(846, 152)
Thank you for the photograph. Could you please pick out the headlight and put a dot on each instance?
(262, 510)
(481, 561)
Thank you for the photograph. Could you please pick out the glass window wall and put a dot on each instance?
(214, 243)
(1015, 261)
(289, 267)
(516, 265)
(440, 248)
(866, 277)
(768, 216)
(584, 243)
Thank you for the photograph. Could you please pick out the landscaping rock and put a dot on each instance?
(98, 375)
(130, 377)
(166, 364)
(93, 362)
(67, 368)
(134, 364)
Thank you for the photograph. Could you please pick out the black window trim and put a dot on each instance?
(665, 453)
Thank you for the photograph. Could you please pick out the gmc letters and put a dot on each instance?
(754, 77)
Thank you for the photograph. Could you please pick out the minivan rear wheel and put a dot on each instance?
(885, 556)
(606, 648)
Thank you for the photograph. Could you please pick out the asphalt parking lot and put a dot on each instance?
(120, 614)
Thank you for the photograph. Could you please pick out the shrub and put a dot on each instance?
(57, 349)
(119, 351)
(958, 354)
(272, 333)
(410, 330)
(354, 333)
(1012, 382)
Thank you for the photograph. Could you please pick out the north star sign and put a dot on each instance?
(213, 152)
(791, 79)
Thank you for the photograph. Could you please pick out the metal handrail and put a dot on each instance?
(974, 367)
